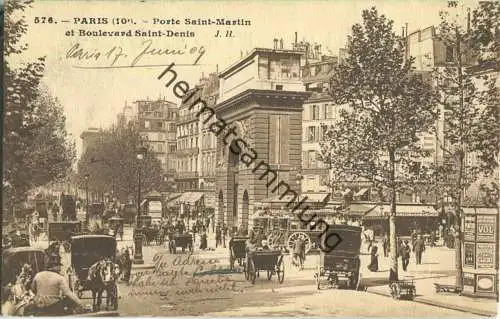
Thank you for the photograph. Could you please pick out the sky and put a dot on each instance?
(93, 97)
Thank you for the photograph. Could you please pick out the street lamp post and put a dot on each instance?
(87, 199)
(138, 237)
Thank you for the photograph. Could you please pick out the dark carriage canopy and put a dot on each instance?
(64, 230)
(13, 260)
(88, 249)
(350, 239)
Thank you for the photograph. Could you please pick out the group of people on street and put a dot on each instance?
(404, 250)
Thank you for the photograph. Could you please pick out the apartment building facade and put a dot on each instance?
(157, 125)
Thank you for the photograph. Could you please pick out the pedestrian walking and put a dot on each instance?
(203, 241)
(405, 251)
(373, 266)
(385, 245)
(218, 237)
(418, 249)
(224, 234)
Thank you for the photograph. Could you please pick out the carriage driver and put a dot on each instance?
(52, 292)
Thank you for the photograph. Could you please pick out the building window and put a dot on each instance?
(279, 87)
(450, 54)
(328, 111)
(147, 124)
(312, 159)
(315, 112)
(311, 136)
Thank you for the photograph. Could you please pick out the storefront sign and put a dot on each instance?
(468, 281)
(469, 254)
(486, 226)
(470, 227)
(485, 255)
(485, 283)
(154, 206)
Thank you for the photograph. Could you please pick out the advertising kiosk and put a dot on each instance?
(480, 251)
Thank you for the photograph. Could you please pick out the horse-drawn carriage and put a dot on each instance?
(340, 266)
(13, 260)
(19, 238)
(93, 266)
(237, 251)
(183, 240)
(19, 267)
(270, 261)
(284, 231)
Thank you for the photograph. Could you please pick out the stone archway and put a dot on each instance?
(234, 165)
(220, 211)
(244, 212)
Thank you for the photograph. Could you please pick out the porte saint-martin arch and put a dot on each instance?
(260, 106)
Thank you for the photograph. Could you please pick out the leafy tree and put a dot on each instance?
(113, 166)
(388, 107)
(470, 99)
(35, 147)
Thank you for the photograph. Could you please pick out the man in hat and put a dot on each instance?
(52, 292)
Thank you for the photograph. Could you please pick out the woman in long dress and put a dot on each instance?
(373, 266)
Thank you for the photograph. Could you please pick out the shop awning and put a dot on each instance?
(480, 210)
(362, 192)
(383, 211)
(190, 198)
(315, 197)
(276, 199)
(360, 209)
(346, 192)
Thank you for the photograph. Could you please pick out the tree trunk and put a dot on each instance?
(393, 274)
(458, 255)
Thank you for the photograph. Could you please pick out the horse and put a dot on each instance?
(102, 276)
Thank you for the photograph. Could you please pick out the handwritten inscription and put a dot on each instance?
(117, 55)
(182, 276)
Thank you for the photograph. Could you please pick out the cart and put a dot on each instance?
(284, 231)
(447, 288)
(341, 266)
(184, 240)
(403, 289)
(85, 251)
(237, 251)
(270, 261)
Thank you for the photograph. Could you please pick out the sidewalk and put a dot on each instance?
(437, 267)
(426, 294)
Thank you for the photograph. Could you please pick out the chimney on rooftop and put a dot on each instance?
(281, 43)
(406, 29)
(295, 38)
(275, 43)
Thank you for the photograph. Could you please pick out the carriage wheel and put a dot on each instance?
(318, 277)
(358, 280)
(274, 238)
(269, 274)
(115, 297)
(293, 238)
(281, 270)
(252, 272)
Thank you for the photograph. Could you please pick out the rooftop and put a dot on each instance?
(255, 52)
